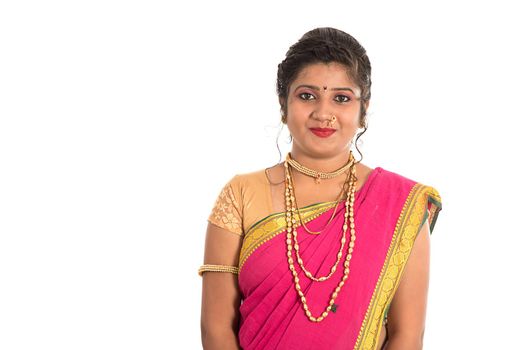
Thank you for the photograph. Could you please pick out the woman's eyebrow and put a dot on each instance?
(313, 87)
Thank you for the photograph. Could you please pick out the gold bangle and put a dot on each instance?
(217, 268)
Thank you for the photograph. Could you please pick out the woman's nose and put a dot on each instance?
(322, 117)
(322, 111)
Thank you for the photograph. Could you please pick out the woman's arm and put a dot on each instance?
(220, 293)
(407, 314)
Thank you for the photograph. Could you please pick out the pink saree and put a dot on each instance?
(389, 212)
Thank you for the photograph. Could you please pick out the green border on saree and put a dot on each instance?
(269, 227)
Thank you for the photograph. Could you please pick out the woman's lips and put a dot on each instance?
(322, 132)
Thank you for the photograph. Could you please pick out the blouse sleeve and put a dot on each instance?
(434, 206)
(227, 211)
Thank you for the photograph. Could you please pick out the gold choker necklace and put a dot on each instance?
(337, 201)
(317, 175)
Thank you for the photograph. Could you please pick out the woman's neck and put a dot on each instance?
(322, 164)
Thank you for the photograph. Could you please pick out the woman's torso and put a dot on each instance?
(263, 196)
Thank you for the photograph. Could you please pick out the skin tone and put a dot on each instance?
(310, 105)
(220, 292)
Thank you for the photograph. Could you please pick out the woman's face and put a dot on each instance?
(320, 91)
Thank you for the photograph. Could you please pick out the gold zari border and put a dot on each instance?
(274, 224)
(408, 225)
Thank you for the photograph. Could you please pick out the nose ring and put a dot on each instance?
(333, 120)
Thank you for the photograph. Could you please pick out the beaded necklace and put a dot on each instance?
(292, 242)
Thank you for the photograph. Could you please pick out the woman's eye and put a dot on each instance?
(308, 97)
(342, 98)
(305, 96)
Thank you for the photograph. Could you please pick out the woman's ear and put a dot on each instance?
(283, 115)
(362, 120)
(282, 102)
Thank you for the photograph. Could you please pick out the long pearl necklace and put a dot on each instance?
(292, 242)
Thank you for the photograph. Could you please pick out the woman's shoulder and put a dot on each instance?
(397, 182)
(394, 178)
(418, 194)
(240, 200)
(248, 186)
(247, 179)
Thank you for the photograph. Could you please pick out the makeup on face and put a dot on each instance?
(325, 88)
(323, 132)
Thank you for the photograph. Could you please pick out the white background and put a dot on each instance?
(120, 121)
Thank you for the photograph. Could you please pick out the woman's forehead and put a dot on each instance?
(331, 74)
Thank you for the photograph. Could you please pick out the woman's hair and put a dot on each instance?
(325, 45)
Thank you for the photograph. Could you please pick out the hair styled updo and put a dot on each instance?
(325, 45)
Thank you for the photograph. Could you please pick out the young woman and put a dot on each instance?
(319, 251)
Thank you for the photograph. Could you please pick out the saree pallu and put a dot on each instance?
(389, 211)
